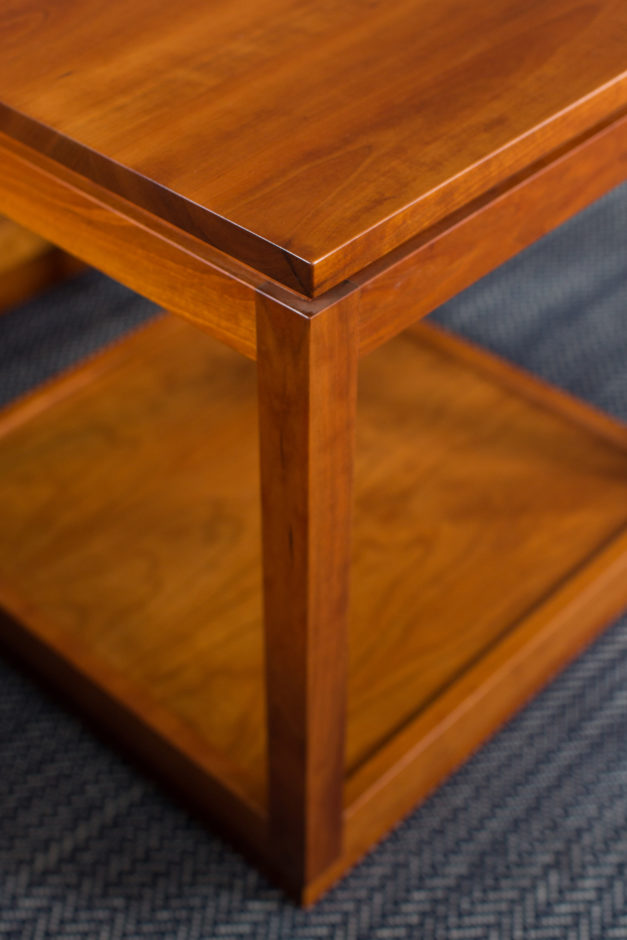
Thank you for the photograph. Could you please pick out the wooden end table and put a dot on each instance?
(301, 183)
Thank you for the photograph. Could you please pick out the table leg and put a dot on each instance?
(307, 388)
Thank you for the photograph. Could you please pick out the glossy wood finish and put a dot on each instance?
(306, 139)
(304, 181)
(450, 256)
(307, 395)
(441, 737)
(217, 293)
(148, 583)
(105, 447)
(145, 254)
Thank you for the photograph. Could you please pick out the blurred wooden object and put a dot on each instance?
(29, 264)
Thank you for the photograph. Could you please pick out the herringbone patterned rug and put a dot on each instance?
(528, 841)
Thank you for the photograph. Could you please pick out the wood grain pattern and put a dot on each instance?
(304, 180)
(307, 138)
(218, 294)
(472, 501)
(307, 395)
(167, 267)
(454, 254)
(446, 733)
(133, 718)
(138, 565)
(182, 574)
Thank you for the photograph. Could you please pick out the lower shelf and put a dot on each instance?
(490, 544)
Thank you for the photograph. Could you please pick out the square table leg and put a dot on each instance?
(307, 369)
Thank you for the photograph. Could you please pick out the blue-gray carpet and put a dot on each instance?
(528, 840)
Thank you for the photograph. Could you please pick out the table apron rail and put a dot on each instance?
(192, 279)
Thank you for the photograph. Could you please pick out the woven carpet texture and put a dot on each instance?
(528, 840)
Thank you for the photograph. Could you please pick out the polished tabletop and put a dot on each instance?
(307, 138)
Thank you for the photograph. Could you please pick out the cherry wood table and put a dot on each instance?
(305, 651)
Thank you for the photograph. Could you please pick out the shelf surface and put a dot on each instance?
(307, 139)
(129, 500)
